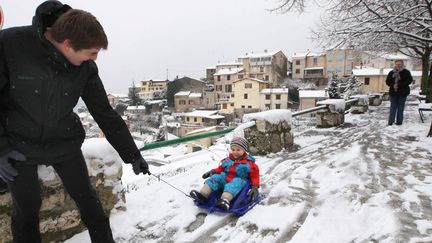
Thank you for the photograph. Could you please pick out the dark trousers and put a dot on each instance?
(397, 106)
(26, 200)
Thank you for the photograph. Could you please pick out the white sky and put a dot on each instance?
(148, 37)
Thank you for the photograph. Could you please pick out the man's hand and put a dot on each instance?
(208, 174)
(7, 172)
(140, 166)
(253, 193)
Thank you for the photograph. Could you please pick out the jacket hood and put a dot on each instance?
(46, 14)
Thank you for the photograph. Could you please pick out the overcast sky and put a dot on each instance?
(147, 38)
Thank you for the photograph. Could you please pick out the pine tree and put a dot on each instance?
(333, 88)
(133, 95)
(352, 88)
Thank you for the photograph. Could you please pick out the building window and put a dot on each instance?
(232, 104)
(240, 76)
(267, 97)
(278, 106)
(367, 81)
(252, 75)
(218, 78)
(315, 61)
(195, 119)
(191, 102)
(278, 96)
(297, 71)
(232, 95)
(224, 106)
(182, 102)
(243, 106)
(228, 77)
(248, 86)
(267, 106)
(228, 88)
(266, 78)
(297, 62)
(218, 87)
(261, 69)
(249, 106)
(245, 96)
(187, 118)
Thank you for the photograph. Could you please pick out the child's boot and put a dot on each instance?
(200, 198)
(224, 201)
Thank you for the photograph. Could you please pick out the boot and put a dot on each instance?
(223, 203)
(200, 198)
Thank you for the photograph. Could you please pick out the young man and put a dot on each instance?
(44, 69)
(398, 81)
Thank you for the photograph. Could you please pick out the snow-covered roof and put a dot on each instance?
(228, 71)
(262, 54)
(195, 95)
(314, 68)
(229, 64)
(313, 94)
(300, 55)
(200, 113)
(183, 93)
(252, 79)
(275, 91)
(135, 107)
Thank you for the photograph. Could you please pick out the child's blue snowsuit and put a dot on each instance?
(232, 175)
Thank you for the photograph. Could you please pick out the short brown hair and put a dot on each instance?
(82, 29)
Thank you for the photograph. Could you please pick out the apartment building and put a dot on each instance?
(247, 93)
(274, 98)
(149, 88)
(342, 61)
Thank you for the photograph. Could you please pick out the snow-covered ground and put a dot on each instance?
(361, 182)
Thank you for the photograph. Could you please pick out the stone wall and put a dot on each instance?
(59, 216)
(268, 137)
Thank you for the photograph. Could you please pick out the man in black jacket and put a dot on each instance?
(44, 69)
(398, 81)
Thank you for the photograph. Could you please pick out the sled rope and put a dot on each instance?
(160, 179)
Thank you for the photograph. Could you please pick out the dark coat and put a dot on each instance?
(403, 84)
(39, 88)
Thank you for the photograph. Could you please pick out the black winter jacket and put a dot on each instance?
(403, 84)
(39, 89)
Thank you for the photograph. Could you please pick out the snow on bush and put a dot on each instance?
(362, 99)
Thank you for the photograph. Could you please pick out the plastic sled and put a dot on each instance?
(240, 204)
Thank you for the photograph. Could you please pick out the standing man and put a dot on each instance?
(44, 69)
(398, 80)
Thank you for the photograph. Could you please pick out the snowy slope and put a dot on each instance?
(361, 182)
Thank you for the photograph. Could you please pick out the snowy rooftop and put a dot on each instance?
(360, 182)
(183, 93)
(229, 64)
(202, 130)
(262, 54)
(251, 79)
(119, 95)
(228, 71)
(195, 95)
(275, 91)
(152, 102)
(395, 57)
(314, 68)
(313, 94)
(200, 113)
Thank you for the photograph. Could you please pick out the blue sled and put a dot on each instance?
(240, 205)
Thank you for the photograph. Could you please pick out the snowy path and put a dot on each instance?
(361, 182)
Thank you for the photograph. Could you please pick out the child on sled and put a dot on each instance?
(231, 176)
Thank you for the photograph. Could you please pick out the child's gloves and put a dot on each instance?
(208, 174)
(253, 193)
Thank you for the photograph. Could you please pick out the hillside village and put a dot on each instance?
(155, 109)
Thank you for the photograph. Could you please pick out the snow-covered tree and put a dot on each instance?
(333, 89)
(133, 95)
(352, 87)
